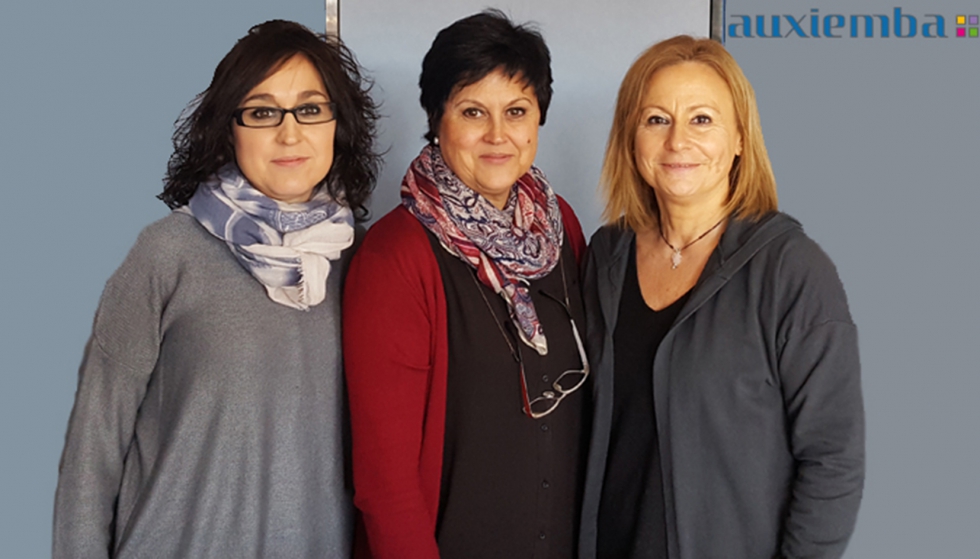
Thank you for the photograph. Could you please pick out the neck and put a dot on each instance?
(682, 225)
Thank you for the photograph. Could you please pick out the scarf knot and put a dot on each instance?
(286, 247)
(507, 247)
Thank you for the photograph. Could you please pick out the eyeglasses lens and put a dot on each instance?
(268, 117)
(571, 380)
(543, 406)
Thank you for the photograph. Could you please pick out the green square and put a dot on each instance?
(974, 31)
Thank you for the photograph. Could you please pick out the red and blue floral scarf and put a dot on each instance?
(507, 247)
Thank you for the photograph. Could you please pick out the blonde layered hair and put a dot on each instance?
(752, 185)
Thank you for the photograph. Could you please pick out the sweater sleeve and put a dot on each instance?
(391, 320)
(820, 376)
(119, 359)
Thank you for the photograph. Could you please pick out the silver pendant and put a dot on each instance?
(675, 260)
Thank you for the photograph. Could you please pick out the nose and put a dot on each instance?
(288, 131)
(495, 130)
(678, 137)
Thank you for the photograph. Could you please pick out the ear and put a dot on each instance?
(738, 146)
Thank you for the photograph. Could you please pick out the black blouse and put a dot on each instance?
(511, 485)
(631, 510)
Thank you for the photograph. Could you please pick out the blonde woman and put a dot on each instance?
(729, 418)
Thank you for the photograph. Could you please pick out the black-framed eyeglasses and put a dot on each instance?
(270, 117)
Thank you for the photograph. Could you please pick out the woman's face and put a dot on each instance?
(687, 138)
(288, 161)
(489, 134)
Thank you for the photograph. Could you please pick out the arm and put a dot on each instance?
(390, 316)
(820, 376)
(595, 335)
(118, 362)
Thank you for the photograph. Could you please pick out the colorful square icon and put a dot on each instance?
(974, 20)
(961, 32)
(974, 32)
(960, 20)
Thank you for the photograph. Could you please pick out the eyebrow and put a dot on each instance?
(508, 104)
(691, 108)
(272, 99)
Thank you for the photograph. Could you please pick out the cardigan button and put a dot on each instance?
(541, 535)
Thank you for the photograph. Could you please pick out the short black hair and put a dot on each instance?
(203, 138)
(469, 49)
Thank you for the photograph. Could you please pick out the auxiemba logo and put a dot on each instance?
(838, 26)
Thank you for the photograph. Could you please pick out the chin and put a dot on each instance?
(496, 190)
(292, 196)
(502, 184)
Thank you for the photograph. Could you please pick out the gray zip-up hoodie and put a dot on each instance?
(757, 398)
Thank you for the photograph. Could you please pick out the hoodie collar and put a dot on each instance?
(741, 240)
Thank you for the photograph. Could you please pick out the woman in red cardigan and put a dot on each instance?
(462, 350)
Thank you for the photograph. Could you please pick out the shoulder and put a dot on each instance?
(606, 261)
(397, 233)
(573, 229)
(567, 213)
(169, 239)
(162, 244)
(163, 251)
(135, 296)
(173, 227)
(797, 253)
(609, 239)
(393, 280)
(805, 277)
(396, 246)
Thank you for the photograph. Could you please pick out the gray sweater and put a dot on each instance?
(757, 397)
(208, 421)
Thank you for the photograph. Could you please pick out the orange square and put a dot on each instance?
(960, 20)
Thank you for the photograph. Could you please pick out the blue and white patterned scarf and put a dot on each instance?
(286, 247)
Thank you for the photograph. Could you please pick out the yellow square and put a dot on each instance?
(960, 20)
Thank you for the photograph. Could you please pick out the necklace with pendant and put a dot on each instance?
(676, 258)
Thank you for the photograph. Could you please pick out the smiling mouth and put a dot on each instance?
(496, 157)
(290, 161)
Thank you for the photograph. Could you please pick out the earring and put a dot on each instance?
(435, 140)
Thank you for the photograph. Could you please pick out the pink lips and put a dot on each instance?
(290, 161)
(496, 158)
(679, 167)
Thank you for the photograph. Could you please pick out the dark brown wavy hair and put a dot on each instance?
(203, 137)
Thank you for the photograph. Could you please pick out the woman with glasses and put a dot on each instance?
(208, 421)
(463, 356)
(728, 420)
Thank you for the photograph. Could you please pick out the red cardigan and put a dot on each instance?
(396, 359)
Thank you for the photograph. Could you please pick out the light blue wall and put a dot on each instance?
(592, 45)
(873, 141)
(88, 95)
(875, 148)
